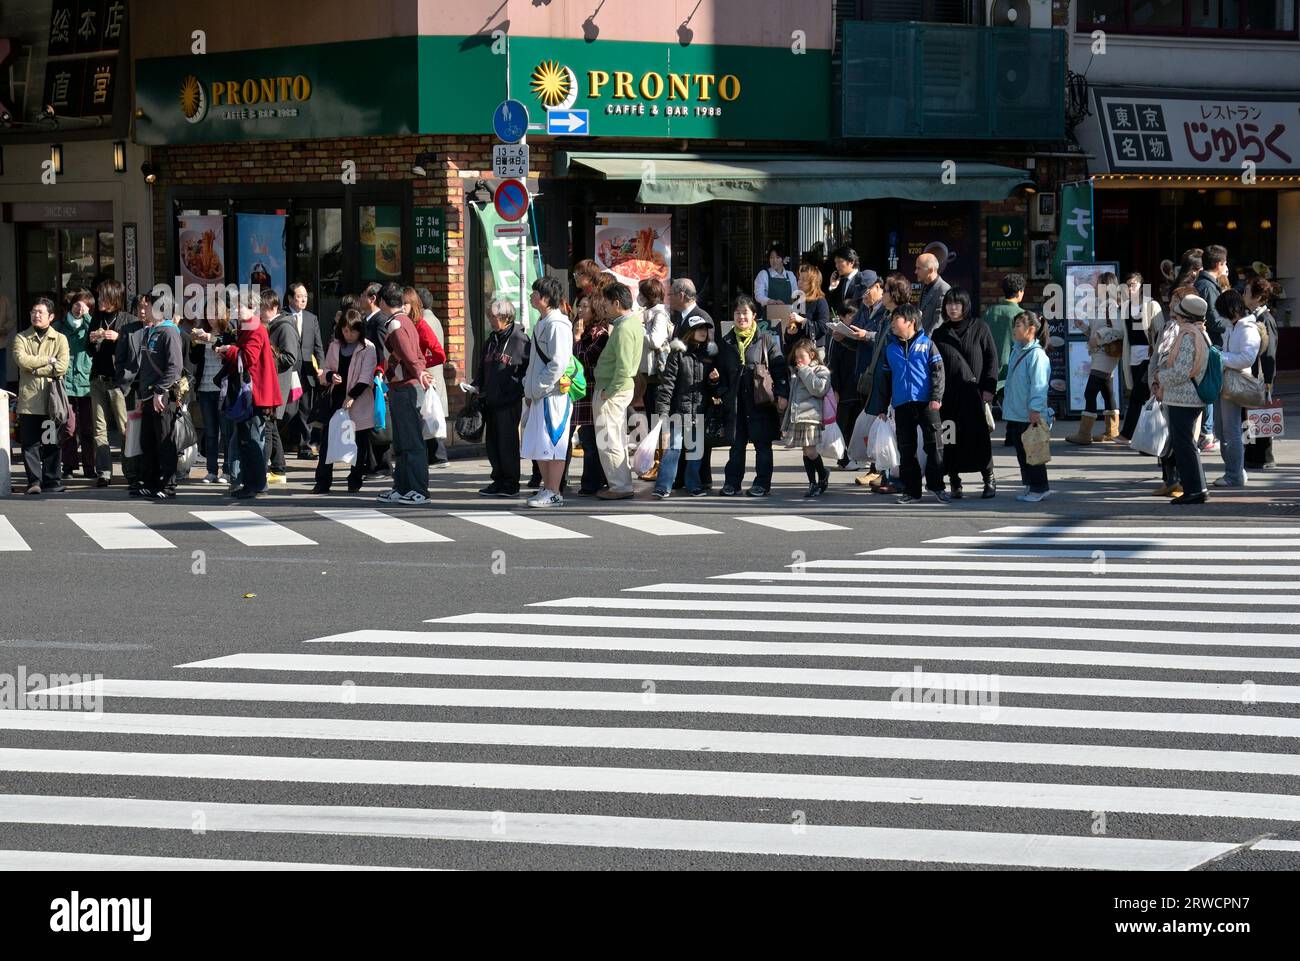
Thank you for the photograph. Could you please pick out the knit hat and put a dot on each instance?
(1192, 307)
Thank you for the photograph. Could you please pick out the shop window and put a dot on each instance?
(1274, 19)
(57, 258)
(379, 229)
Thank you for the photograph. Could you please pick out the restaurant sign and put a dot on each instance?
(1209, 134)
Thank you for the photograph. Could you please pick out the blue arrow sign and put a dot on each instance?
(510, 121)
(568, 123)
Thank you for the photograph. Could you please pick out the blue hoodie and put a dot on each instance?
(912, 370)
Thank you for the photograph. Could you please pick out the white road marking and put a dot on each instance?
(992, 562)
(654, 524)
(1184, 530)
(385, 529)
(10, 539)
(822, 576)
(120, 532)
(253, 530)
(70, 861)
(791, 524)
(1124, 553)
(520, 526)
(1028, 541)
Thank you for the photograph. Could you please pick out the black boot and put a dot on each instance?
(823, 477)
(990, 486)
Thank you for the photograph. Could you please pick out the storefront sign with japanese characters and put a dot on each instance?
(85, 38)
(1199, 135)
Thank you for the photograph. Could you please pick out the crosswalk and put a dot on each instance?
(863, 709)
(127, 531)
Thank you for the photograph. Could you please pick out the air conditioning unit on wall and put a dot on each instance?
(1030, 14)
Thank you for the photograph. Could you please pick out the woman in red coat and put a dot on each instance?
(251, 362)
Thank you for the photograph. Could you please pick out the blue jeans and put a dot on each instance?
(248, 454)
(673, 453)
(1207, 428)
(216, 430)
(1231, 444)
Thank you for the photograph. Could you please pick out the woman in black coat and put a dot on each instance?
(748, 422)
(970, 361)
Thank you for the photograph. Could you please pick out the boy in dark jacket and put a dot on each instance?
(685, 395)
(913, 382)
(499, 382)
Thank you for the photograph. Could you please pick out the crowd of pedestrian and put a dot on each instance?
(836, 362)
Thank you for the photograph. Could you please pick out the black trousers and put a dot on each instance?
(909, 417)
(275, 446)
(735, 470)
(1137, 398)
(297, 431)
(593, 472)
(1032, 476)
(501, 437)
(157, 452)
(846, 416)
(43, 461)
(1098, 384)
(1183, 425)
(356, 474)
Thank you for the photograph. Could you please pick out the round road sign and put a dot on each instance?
(511, 200)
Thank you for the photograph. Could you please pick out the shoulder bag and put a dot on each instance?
(764, 392)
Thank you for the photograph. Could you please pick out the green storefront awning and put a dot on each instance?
(694, 179)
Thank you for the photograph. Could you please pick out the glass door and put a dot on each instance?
(57, 258)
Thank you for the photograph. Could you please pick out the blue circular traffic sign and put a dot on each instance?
(511, 200)
(510, 121)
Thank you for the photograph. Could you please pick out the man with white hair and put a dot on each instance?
(681, 298)
(499, 383)
(934, 287)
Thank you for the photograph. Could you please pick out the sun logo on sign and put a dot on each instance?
(1006, 230)
(555, 85)
(194, 103)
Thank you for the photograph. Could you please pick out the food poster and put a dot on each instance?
(949, 231)
(381, 242)
(1080, 368)
(263, 261)
(635, 247)
(201, 247)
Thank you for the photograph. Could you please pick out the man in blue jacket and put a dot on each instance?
(913, 381)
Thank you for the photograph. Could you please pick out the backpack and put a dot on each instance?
(576, 376)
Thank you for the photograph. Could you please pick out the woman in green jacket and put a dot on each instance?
(74, 325)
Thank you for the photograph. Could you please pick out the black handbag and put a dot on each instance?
(715, 426)
(183, 434)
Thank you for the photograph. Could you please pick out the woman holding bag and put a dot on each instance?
(971, 366)
(1259, 294)
(755, 386)
(1179, 362)
(1105, 347)
(1143, 321)
(1024, 404)
(350, 362)
(1241, 342)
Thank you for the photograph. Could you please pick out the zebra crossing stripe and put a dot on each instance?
(1136, 553)
(1232, 532)
(1028, 541)
(74, 861)
(632, 833)
(520, 526)
(1272, 844)
(1200, 597)
(787, 648)
(731, 704)
(715, 625)
(1012, 613)
(253, 530)
(790, 524)
(731, 674)
(381, 527)
(120, 532)
(831, 577)
(993, 562)
(10, 539)
(652, 739)
(654, 524)
(1185, 802)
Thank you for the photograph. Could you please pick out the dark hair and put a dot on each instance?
(1034, 322)
(957, 295)
(270, 299)
(777, 248)
(910, 313)
(1132, 276)
(426, 297)
(1213, 256)
(1107, 279)
(848, 310)
(899, 289)
(347, 302)
(1013, 284)
(550, 290)
(44, 301)
(1190, 264)
(141, 300)
(586, 270)
(652, 291)
(392, 295)
(79, 294)
(803, 343)
(618, 294)
(294, 287)
(1262, 290)
(372, 290)
(847, 254)
(1230, 305)
(111, 294)
(350, 319)
(744, 300)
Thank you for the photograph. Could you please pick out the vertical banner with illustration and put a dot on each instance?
(503, 259)
(1077, 235)
(201, 249)
(951, 233)
(381, 242)
(635, 247)
(263, 261)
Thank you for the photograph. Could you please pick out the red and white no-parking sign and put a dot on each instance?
(511, 200)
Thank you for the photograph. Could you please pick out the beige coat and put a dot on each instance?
(39, 362)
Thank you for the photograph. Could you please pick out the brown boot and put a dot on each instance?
(1111, 429)
(1083, 437)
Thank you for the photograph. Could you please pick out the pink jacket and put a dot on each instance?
(360, 370)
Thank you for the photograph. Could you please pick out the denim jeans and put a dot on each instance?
(1231, 444)
(216, 431)
(673, 453)
(1207, 428)
(248, 454)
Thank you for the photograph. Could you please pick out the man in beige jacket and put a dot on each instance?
(41, 353)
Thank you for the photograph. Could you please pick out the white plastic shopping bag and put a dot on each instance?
(643, 461)
(1152, 433)
(433, 418)
(131, 444)
(832, 446)
(858, 440)
(341, 442)
(882, 445)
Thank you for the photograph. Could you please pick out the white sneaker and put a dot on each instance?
(227, 479)
(414, 498)
(853, 466)
(389, 497)
(1033, 497)
(440, 465)
(545, 498)
(1224, 482)
(209, 479)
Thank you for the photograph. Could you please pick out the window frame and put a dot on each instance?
(1187, 29)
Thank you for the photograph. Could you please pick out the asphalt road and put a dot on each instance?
(608, 695)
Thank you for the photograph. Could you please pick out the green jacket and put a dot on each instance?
(77, 380)
(999, 318)
(619, 361)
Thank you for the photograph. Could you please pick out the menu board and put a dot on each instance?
(430, 235)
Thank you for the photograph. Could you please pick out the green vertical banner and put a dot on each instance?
(1077, 232)
(506, 264)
